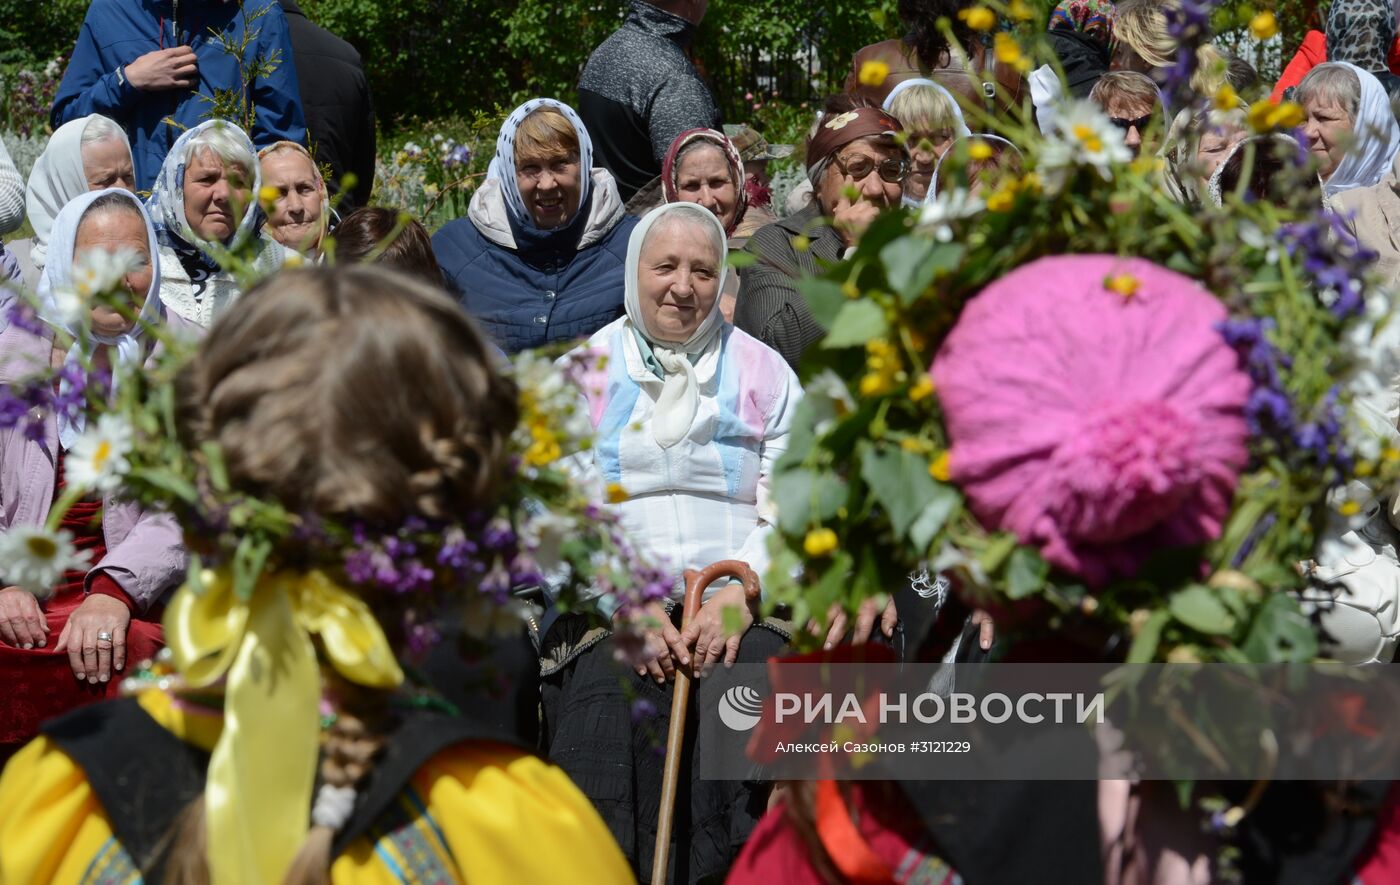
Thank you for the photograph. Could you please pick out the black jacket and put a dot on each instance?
(638, 92)
(335, 97)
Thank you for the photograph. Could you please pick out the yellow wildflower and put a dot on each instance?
(616, 493)
(1265, 116)
(979, 18)
(801, 243)
(1008, 52)
(1124, 284)
(850, 289)
(873, 73)
(916, 444)
(922, 389)
(875, 384)
(979, 150)
(1365, 468)
(1003, 199)
(1349, 508)
(267, 195)
(1031, 183)
(1020, 10)
(939, 467)
(819, 542)
(1390, 453)
(1226, 99)
(1263, 26)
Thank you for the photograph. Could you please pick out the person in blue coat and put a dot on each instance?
(540, 256)
(140, 62)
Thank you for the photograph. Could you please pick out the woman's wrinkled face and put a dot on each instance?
(108, 164)
(112, 231)
(216, 195)
(704, 177)
(925, 150)
(858, 156)
(295, 219)
(1215, 145)
(678, 280)
(1329, 130)
(550, 188)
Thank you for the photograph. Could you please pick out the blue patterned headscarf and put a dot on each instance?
(503, 164)
(167, 206)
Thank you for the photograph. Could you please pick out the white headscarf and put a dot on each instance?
(680, 365)
(503, 164)
(1377, 138)
(57, 177)
(166, 205)
(932, 195)
(58, 274)
(959, 128)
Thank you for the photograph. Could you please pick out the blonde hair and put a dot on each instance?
(543, 136)
(1125, 86)
(924, 109)
(1142, 27)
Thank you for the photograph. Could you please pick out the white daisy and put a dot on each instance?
(36, 558)
(1082, 136)
(949, 206)
(97, 460)
(96, 273)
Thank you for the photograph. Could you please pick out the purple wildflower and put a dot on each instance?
(643, 710)
(460, 155)
(22, 315)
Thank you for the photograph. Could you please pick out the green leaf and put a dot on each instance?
(218, 472)
(912, 264)
(1200, 609)
(1144, 647)
(248, 560)
(1280, 632)
(738, 260)
(1026, 571)
(805, 498)
(167, 481)
(899, 480)
(824, 298)
(856, 323)
(998, 548)
(943, 504)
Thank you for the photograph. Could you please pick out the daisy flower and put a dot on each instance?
(947, 206)
(1082, 136)
(36, 558)
(98, 457)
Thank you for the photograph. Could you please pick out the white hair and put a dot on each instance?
(222, 143)
(99, 129)
(695, 216)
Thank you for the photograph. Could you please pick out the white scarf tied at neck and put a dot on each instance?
(681, 364)
(58, 274)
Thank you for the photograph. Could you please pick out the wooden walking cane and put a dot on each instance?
(680, 702)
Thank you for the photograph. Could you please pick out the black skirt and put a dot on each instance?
(605, 726)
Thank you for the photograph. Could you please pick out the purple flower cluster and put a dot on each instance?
(458, 156)
(1332, 258)
(1189, 24)
(1270, 412)
(63, 393)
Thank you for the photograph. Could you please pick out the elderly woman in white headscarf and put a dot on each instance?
(70, 646)
(690, 418)
(1352, 132)
(86, 154)
(205, 207)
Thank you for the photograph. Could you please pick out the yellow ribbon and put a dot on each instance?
(263, 769)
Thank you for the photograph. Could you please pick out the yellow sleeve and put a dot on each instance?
(52, 828)
(504, 816)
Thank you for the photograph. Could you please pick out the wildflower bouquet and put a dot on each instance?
(1109, 417)
(546, 530)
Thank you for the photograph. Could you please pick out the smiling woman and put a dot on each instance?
(203, 204)
(300, 211)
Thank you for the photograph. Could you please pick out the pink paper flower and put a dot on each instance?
(1099, 424)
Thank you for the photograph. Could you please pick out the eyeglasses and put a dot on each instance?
(1140, 124)
(559, 168)
(892, 170)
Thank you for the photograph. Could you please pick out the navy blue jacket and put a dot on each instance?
(548, 285)
(117, 32)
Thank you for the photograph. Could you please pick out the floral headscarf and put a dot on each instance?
(502, 165)
(1092, 18)
(167, 208)
(670, 175)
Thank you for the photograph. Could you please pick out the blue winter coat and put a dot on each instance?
(528, 287)
(117, 32)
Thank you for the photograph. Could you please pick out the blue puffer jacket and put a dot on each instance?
(117, 32)
(528, 287)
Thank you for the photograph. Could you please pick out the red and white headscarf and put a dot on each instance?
(670, 175)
